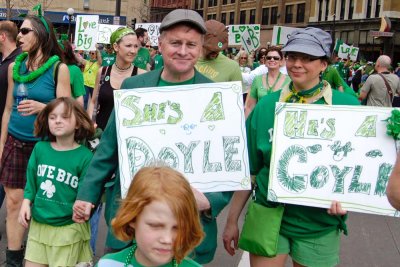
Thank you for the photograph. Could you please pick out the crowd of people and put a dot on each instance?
(53, 99)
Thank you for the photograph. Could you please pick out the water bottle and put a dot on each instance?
(22, 93)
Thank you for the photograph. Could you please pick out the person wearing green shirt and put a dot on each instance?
(107, 56)
(310, 235)
(142, 59)
(180, 43)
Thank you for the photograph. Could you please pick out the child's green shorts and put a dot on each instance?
(312, 252)
(58, 245)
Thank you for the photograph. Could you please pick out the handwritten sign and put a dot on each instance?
(280, 34)
(323, 153)
(153, 30)
(251, 34)
(197, 129)
(86, 32)
(105, 31)
(346, 51)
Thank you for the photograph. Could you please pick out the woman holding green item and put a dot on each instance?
(34, 74)
(311, 236)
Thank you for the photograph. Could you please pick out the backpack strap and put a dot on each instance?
(55, 73)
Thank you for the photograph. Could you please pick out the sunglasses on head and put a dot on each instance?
(274, 58)
(25, 31)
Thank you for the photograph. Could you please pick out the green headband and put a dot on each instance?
(38, 8)
(119, 33)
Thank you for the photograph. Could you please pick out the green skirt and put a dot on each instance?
(58, 245)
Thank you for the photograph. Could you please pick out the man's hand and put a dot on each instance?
(336, 209)
(201, 200)
(82, 210)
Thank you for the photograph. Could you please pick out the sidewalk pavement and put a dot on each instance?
(373, 241)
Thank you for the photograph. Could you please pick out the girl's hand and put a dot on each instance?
(336, 209)
(82, 210)
(231, 234)
(30, 107)
(25, 213)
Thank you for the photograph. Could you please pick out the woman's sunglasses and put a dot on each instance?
(25, 31)
(274, 58)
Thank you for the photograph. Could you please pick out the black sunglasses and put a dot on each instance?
(275, 58)
(25, 31)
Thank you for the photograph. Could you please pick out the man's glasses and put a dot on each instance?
(304, 58)
(148, 46)
(273, 58)
(25, 31)
(243, 57)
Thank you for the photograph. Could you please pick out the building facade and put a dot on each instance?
(350, 20)
(56, 11)
(160, 8)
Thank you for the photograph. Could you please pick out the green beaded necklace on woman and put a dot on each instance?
(128, 259)
(33, 75)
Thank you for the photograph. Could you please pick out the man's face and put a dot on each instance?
(180, 47)
(210, 55)
(143, 40)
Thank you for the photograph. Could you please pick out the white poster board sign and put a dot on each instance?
(281, 34)
(251, 34)
(153, 30)
(105, 31)
(323, 153)
(86, 32)
(346, 51)
(196, 129)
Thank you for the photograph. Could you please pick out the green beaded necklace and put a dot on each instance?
(33, 74)
(132, 251)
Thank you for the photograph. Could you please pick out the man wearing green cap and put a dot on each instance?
(180, 43)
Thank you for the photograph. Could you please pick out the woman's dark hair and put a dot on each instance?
(69, 55)
(275, 49)
(45, 41)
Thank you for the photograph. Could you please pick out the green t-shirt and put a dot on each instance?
(158, 61)
(297, 221)
(118, 260)
(220, 69)
(142, 58)
(258, 89)
(76, 79)
(107, 59)
(162, 82)
(52, 182)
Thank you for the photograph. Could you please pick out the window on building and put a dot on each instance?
(242, 17)
(319, 10)
(224, 2)
(223, 18)
(265, 16)
(201, 3)
(326, 10)
(252, 16)
(233, 1)
(351, 9)
(369, 7)
(209, 16)
(378, 8)
(196, 4)
(301, 9)
(289, 14)
(342, 9)
(210, 2)
(274, 15)
(232, 18)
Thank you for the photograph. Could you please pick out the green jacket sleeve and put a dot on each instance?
(218, 201)
(30, 187)
(103, 165)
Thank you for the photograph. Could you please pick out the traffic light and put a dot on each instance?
(133, 23)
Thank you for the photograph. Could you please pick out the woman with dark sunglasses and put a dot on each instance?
(34, 71)
(267, 83)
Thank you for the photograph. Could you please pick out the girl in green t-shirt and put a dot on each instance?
(55, 170)
(160, 215)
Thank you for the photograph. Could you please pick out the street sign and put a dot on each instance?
(381, 34)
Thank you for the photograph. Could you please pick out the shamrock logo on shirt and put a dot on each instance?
(48, 188)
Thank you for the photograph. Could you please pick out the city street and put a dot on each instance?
(372, 241)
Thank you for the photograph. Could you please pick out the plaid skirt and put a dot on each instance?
(14, 162)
